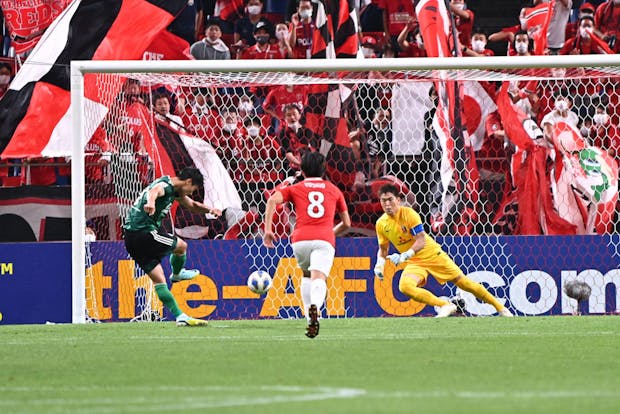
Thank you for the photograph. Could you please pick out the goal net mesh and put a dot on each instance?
(478, 153)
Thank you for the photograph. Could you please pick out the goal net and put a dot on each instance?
(482, 148)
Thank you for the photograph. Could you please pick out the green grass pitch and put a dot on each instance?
(386, 365)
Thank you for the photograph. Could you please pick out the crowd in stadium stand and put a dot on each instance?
(260, 131)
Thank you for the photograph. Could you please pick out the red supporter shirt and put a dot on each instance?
(304, 32)
(316, 203)
(398, 12)
(279, 97)
(412, 51)
(607, 20)
(465, 27)
(271, 52)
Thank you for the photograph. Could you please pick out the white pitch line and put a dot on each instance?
(175, 402)
(328, 337)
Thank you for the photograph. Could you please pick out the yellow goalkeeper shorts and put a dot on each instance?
(440, 266)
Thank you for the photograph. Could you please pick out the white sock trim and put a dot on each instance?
(318, 292)
(306, 286)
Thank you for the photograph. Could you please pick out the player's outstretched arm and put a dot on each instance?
(198, 207)
(275, 199)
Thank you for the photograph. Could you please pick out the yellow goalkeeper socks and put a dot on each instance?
(408, 286)
(164, 294)
(479, 291)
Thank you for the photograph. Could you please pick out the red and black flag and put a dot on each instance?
(335, 37)
(336, 30)
(459, 174)
(229, 10)
(34, 113)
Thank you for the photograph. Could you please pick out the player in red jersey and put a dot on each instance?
(316, 203)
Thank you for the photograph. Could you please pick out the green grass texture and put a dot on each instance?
(562, 364)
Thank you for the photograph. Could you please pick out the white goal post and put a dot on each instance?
(484, 68)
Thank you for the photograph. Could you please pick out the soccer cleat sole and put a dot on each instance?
(446, 310)
(313, 326)
(188, 275)
(192, 322)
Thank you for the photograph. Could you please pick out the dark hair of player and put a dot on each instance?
(313, 164)
(192, 173)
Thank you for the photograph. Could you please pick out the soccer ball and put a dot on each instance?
(259, 282)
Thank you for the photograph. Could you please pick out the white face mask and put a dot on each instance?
(294, 126)
(459, 6)
(282, 34)
(253, 130)
(600, 119)
(305, 13)
(585, 131)
(561, 105)
(558, 72)
(584, 32)
(230, 128)
(254, 10)
(368, 52)
(5, 79)
(521, 47)
(89, 237)
(246, 107)
(478, 45)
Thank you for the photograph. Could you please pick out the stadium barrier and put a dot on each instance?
(35, 280)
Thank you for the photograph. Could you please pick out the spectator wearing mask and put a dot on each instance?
(478, 44)
(479, 49)
(586, 42)
(605, 134)
(524, 93)
(202, 116)
(464, 20)
(413, 47)
(6, 74)
(262, 49)
(259, 164)
(228, 140)
(245, 28)
(283, 36)
(572, 28)
(211, 47)
(260, 153)
(369, 45)
(302, 30)
(561, 113)
(279, 97)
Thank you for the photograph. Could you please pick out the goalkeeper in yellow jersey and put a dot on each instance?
(402, 226)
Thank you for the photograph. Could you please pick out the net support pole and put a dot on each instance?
(78, 198)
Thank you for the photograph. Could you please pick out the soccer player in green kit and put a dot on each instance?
(147, 243)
